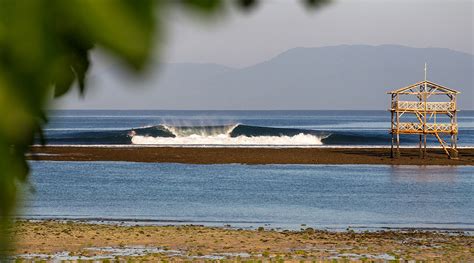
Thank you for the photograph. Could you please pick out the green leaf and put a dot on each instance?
(80, 64)
(63, 76)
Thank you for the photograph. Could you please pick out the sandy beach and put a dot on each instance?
(197, 155)
(76, 240)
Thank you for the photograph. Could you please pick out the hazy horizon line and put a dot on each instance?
(309, 47)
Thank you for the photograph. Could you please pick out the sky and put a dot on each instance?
(278, 25)
(240, 39)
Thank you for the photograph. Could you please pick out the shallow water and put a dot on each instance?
(276, 196)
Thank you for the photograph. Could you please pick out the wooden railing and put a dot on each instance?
(416, 127)
(420, 106)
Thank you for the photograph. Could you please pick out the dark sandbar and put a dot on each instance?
(223, 155)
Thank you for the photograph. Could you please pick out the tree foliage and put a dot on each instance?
(45, 47)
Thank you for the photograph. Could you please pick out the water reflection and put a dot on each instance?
(424, 173)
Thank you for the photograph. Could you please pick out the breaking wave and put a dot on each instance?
(235, 134)
(300, 139)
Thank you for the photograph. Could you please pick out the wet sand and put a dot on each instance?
(178, 243)
(221, 155)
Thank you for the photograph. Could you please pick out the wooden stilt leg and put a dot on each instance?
(454, 150)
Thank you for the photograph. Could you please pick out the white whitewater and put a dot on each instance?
(222, 136)
(223, 139)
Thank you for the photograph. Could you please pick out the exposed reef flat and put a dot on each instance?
(248, 155)
(56, 240)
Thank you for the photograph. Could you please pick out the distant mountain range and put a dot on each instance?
(336, 77)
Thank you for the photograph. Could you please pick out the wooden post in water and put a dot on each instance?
(391, 132)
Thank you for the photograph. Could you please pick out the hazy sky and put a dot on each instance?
(240, 39)
(278, 25)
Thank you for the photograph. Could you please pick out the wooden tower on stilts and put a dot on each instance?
(423, 109)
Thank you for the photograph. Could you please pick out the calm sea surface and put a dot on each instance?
(286, 196)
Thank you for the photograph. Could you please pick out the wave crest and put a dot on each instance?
(206, 131)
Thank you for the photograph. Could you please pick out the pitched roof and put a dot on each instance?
(433, 86)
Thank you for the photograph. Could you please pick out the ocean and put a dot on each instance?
(234, 128)
(333, 197)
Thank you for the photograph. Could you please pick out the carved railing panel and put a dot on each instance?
(420, 106)
(430, 127)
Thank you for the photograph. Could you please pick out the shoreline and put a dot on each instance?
(82, 241)
(248, 155)
(247, 225)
